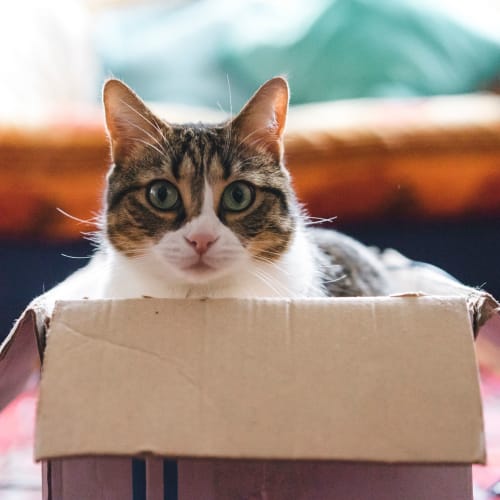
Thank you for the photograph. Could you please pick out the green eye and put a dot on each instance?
(238, 196)
(163, 195)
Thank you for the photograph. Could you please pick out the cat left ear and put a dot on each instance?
(262, 121)
(131, 125)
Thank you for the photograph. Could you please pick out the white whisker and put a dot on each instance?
(273, 283)
(162, 153)
(230, 129)
(340, 278)
(264, 279)
(319, 220)
(153, 124)
(245, 142)
(273, 264)
(76, 256)
(72, 217)
(230, 96)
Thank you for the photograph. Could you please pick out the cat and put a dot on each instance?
(200, 210)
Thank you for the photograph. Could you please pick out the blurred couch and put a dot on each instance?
(395, 166)
(421, 175)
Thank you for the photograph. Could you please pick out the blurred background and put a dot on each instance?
(394, 127)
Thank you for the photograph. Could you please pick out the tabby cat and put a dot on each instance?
(209, 211)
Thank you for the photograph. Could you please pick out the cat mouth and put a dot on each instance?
(199, 267)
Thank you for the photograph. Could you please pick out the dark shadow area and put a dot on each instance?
(29, 268)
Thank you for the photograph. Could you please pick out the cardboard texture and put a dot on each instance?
(317, 399)
(274, 379)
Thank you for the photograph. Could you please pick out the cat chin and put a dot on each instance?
(200, 275)
(204, 274)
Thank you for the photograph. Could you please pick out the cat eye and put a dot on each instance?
(163, 195)
(238, 196)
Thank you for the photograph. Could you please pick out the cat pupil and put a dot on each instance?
(238, 195)
(162, 194)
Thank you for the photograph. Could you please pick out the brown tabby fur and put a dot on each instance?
(193, 155)
(186, 156)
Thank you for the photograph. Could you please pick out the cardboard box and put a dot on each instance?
(269, 398)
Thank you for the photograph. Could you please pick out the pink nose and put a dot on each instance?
(201, 242)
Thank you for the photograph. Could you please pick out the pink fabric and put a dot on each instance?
(485, 477)
(20, 477)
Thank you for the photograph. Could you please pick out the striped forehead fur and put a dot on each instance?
(190, 156)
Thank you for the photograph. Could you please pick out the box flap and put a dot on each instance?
(407, 275)
(372, 379)
(20, 355)
(484, 309)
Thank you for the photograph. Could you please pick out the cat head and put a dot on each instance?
(201, 201)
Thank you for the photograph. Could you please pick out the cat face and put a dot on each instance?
(203, 201)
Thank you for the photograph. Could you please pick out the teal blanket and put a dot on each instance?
(329, 49)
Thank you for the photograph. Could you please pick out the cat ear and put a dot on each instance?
(131, 125)
(262, 120)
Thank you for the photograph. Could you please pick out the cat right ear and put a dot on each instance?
(262, 121)
(131, 125)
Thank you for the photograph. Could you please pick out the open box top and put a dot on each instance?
(389, 379)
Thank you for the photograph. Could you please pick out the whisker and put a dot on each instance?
(244, 141)
(286, 289)
(230, 128)
(319, 220)
(340, 278)
(254, 143)
(94, 237)
(265, 281)
(72, 217)
(274, 264)
(162, 153)
(270, 280)
(155, 139)
(255, 131)
(154, 124)
(221, 109)
(138, 113)
(230, 96)
(76, 256)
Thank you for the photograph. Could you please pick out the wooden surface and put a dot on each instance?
(357, 160)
